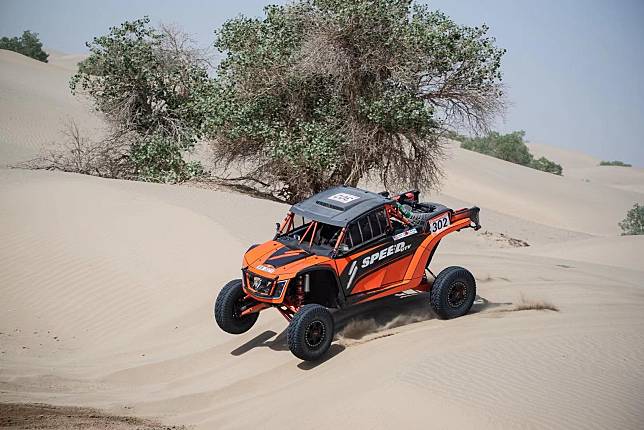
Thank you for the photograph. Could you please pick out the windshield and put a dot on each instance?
(312, 236)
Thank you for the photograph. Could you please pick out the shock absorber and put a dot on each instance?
(299, 293)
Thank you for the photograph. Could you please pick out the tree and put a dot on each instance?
(326, 92)
(146, 82)
(28, 44)
(509, 147)
(634, 221)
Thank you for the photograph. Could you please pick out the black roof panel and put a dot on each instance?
(340, 205)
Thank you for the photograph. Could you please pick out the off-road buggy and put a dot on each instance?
(341, 247)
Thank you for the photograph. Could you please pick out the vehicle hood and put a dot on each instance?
(274, 259)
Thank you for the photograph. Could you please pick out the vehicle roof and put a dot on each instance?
(340, 205)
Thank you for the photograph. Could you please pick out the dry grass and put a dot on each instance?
(105, 157)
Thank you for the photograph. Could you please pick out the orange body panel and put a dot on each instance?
(417, 268)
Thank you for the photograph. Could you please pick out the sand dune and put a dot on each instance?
(125, 285)
(544, 198)
(64, 61)
(35, 103)
(107, 286)
(567, 158)
(601, 251)
(622, 178)
(586, 168)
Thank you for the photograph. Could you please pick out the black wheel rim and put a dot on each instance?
(315, 334)
(238, 308)
(457, 294)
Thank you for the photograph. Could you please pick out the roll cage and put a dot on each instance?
(329, 240)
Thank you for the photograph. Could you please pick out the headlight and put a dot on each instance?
(279, 288)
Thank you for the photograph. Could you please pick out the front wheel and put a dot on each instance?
(453, 292)
(228, 308)
(310, 332)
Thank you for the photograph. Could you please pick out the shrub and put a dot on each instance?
(28, 44)
(614, 163)
(146, 82)
(325, 92)
(633, 224)
(510, 147)
(79, 154)
(546, 165)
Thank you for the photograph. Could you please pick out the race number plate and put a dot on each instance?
(343, 197)
(438, 224)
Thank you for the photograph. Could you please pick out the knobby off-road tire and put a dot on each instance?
(310, 332)
(227, 307)
(453, 292)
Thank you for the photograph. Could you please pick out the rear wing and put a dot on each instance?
(471, 213)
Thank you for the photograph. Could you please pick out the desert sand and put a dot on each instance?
(107, 286)
(35, 105)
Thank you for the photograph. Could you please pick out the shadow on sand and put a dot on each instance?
(360, 321)
(263, 340)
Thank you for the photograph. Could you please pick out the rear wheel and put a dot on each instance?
(453, 292)
(228, 308)
(310, 332)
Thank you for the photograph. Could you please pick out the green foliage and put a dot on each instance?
(634, 222)
(28, 44)
(615, 163)
(324, 92)
(148, 91)
(398, 109)
(510, 147)
(546, 165)
(156, 159)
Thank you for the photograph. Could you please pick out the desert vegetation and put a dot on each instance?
(28, 44)
(77, 153)
(147, 83)
(313, 94)
(614, 163)
(320, 93)
(509, 147)
(633, 224)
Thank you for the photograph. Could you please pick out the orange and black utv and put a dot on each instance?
(341, 247)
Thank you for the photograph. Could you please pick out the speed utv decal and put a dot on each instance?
(384, 253)
(380, 257)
